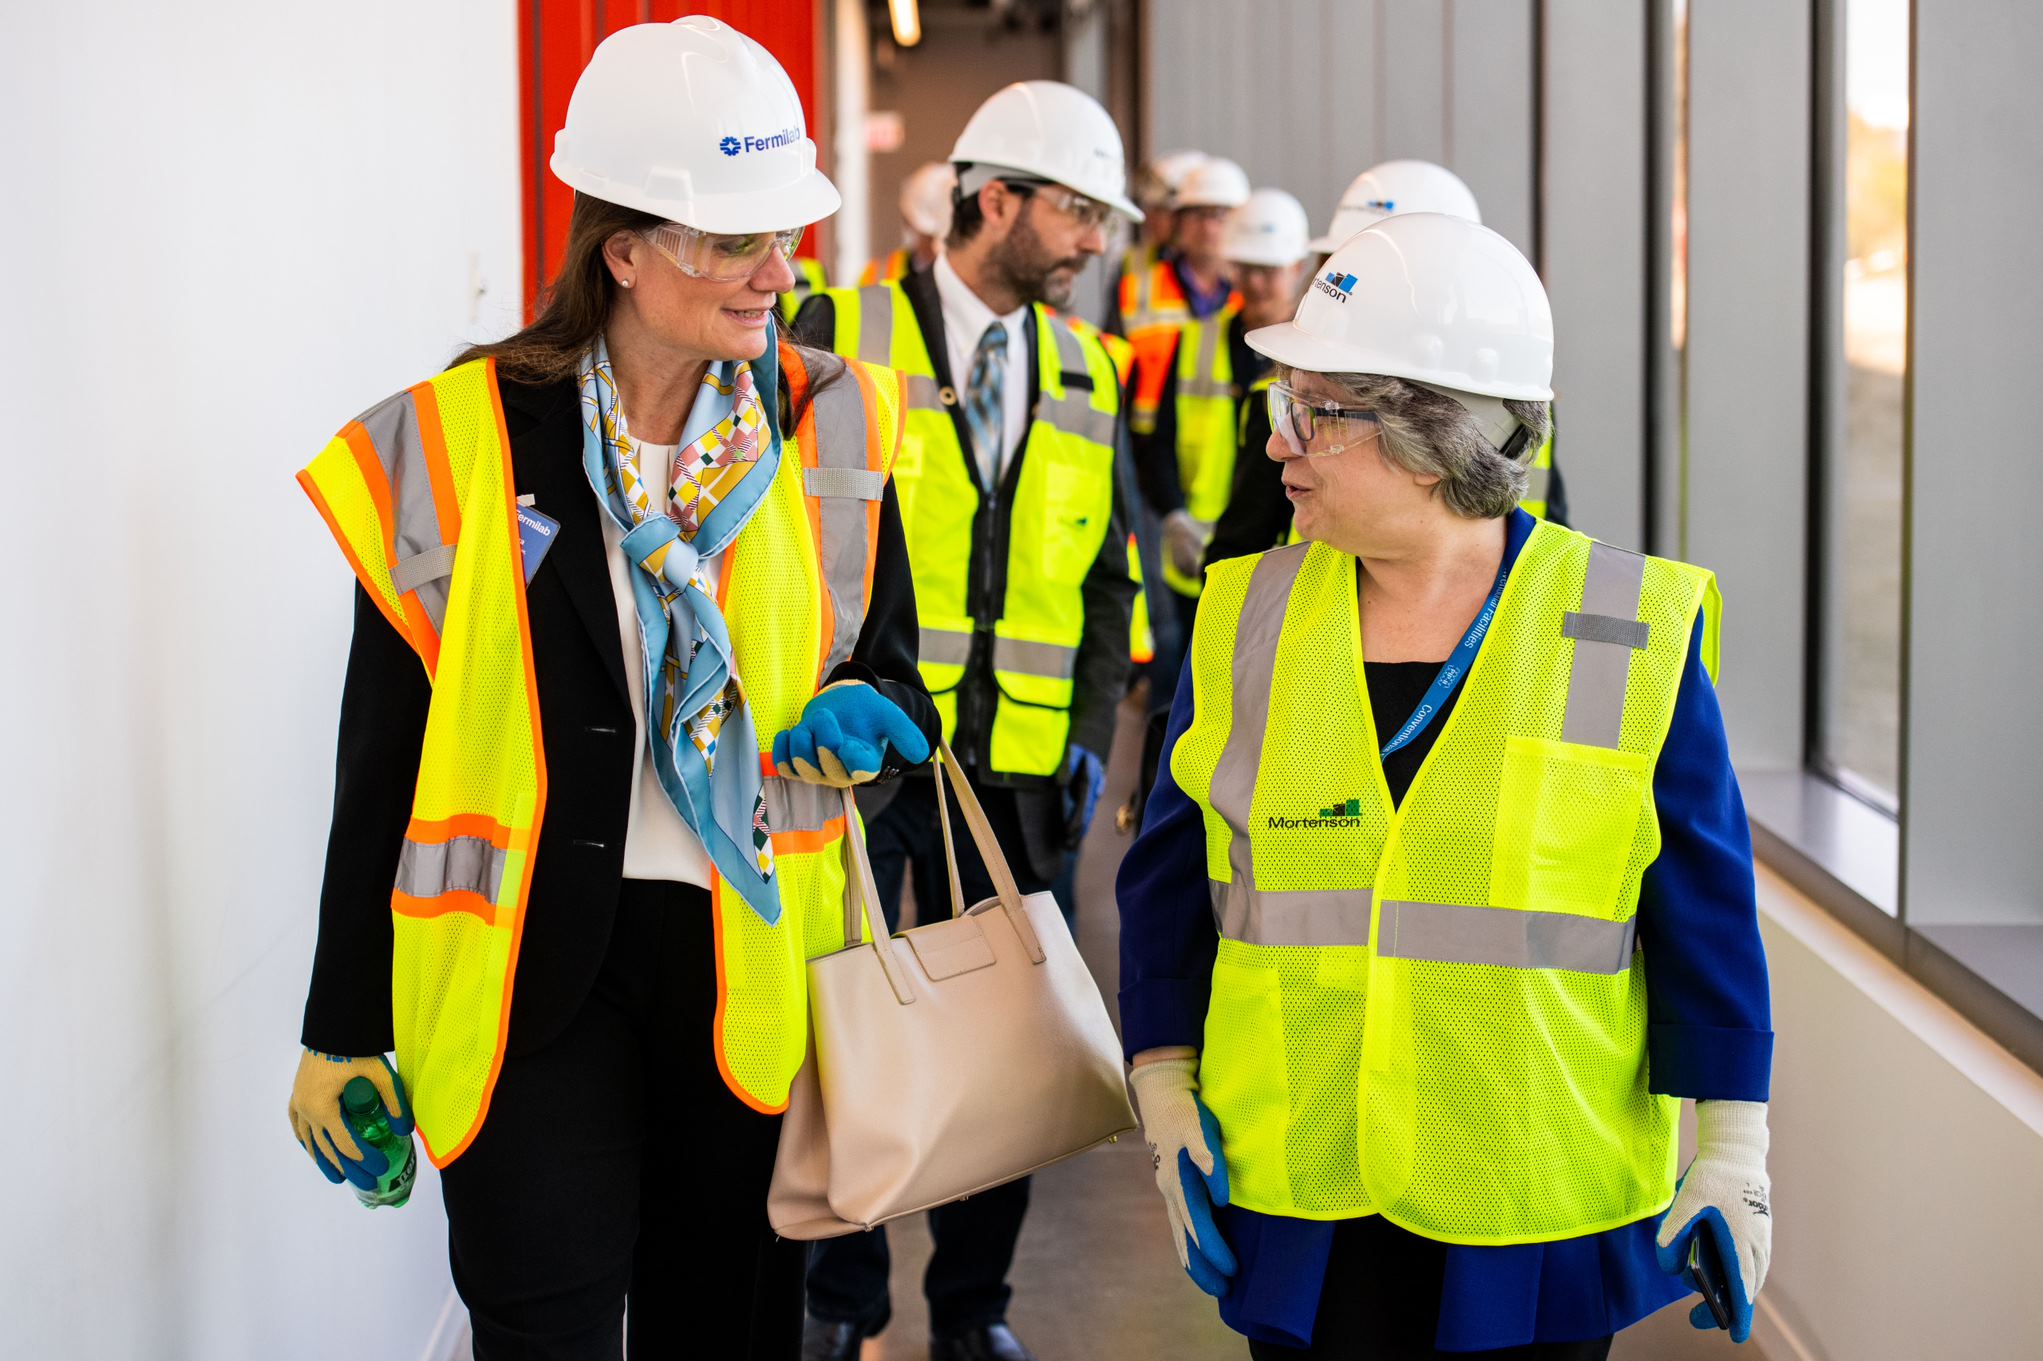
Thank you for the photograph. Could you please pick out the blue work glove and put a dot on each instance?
(1184, 1148)
(843, 735)
(322, 1131)
(1722, 1208)
(1085, 777)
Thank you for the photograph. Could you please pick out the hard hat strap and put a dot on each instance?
(1491, 416)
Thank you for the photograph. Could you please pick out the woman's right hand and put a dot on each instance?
(319, 1127)
(1184, 1149)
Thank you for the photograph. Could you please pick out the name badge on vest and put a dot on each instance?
(536, 534)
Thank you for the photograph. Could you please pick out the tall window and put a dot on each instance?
(1859, 721)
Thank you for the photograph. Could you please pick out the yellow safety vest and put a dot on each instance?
(1063, 505)
(1141, 637)
(894, 265)
(1209, 426)
(1540, 476)
(1434, 1011)
(809, 278)
(418, 492)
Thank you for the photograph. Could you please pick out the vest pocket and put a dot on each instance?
(1567, 817)
(1077, 502)
(1244, 1073)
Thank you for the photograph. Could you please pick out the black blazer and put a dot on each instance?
(586, 725)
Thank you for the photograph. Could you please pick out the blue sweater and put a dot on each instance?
(1709, 1037)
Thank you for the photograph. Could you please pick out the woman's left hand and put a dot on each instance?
(843, 736)
(1724, 1202)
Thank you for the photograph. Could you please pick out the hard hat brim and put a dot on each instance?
(1120, 203)
(808, 199)
(1328, 244)
(1291, 345)
(1268, 259)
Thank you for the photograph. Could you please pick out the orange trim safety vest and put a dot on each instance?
(418, 492)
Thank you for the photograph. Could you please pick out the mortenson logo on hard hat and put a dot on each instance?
(734, 146)
(1336, 285)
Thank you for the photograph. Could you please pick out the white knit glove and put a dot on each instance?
(1185, 539)
(1184, 1148)
(1723, 1199)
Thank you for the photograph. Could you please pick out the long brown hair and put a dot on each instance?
(577, 303)
(574, 306)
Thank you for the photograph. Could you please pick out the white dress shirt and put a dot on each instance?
(965, 318)
(657, 843)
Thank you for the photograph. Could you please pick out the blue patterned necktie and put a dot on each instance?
(985, 403)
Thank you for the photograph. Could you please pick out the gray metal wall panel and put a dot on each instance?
(1489, 135)
(1412, 78)
(1973, 774)
(1750, 67)
(1594, 246)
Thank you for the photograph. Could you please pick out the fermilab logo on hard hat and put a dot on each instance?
(736, 146)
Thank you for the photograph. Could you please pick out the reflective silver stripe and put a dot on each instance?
(1603, 628)
(393, 427)
(855, 484)
(1203, 383)
(1457, 934)
(1538, 482)
(798, 806)
(1073, 412)
(844, 522)
(408, 574)
(1035, 659)
(1255, 670)
(1253, 917)
(876, 324)
(463, 863)
(946, 647)
(923, 393)
(1612, 587)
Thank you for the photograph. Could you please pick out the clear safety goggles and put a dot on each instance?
(1312, 427)
(717, 257)
(1089, 213)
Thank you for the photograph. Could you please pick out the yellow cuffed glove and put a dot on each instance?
(319, 1127)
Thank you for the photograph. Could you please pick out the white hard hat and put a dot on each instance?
(1398, 187)
(696, 122)
(1428, 297)
(1051, 131)
(1172, 167)
(1215, 182)
(926, 198)
(1270, 229)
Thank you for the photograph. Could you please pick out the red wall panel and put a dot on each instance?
(555, 39)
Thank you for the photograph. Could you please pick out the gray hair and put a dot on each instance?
(1426, 432)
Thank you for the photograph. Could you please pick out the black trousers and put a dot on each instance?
(966, 1283)
(1381, 1302)
(615, 1165)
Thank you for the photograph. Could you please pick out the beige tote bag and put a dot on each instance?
(946, 1060)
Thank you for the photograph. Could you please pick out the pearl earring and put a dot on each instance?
(625, 282)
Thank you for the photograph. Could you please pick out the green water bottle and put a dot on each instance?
(362, 1106)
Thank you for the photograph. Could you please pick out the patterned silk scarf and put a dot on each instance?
(695, 703)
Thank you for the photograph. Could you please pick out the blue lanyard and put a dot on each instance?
(1453, 669)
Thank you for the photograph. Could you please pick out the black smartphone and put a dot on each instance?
(1708, 1274)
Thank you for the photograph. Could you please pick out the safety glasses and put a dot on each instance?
(1314, 428)
(1089, 213)
(720, 258)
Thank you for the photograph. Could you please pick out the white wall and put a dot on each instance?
(229, 227)
(1907, 1162)
(1307, 94)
